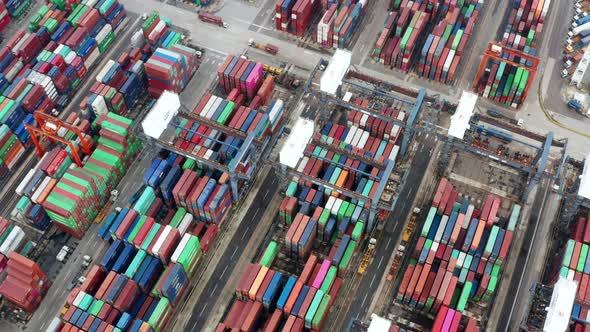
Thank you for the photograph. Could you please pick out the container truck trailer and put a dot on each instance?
(210, 18)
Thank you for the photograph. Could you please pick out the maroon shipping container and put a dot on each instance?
(93, 279)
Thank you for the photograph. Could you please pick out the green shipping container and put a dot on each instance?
(464, 296)
(491, 240)
(329, 279)
(347, 256)
(291, 189)
(315, 304)
(582, 260)
(321, 312)
(428, 222)
(269, 254)
(569, 250)
(157, 317)
(177, 219)
(96, 307)
(135, 264)
(150, 237)
(357, 232)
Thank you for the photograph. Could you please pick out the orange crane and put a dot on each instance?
(49, 126)
(494, 51)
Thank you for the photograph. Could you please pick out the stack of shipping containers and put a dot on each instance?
(10, 9)
(156, 247)
(503, 82)
(40, 68)
(575, 265)
(459, 254)
(430, 38)
(40, 180)
(297, 290)
(337, 23)
(80, 194)
(25, 284)
(450, 320)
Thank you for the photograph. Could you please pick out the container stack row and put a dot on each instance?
(270, 300)
(342, 171)
(156, 32)
(34, 189)
(459, 254)
(25, 284)
(155, 250)
(118, 86)
(81, 193)
(449, 320)
(339, 23)
(430, 38)
(525, 24)
(505, 83)
(4, 16)
(245, 75)
(170, 69)
(575, 265)
(376, 127)
(40, 68)
(12, 239)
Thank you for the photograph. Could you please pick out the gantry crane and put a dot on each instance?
(495, 51)
(49, 127)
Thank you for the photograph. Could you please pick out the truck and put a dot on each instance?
(210, 18)
(63, 253)
(270, 48)
(575, 105)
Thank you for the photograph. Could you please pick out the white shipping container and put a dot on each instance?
(99, 105)
(302, 164)
(105, 69)
(449, 61)
(336, 206)
(364, 139)
(16, 234)
(19, 44)
(185, 223)
(178, 251)
(161, 239)
(350, 135)
(441, 228)
(21, 187)
(394, 153)
(78, 299)
(11, 74)
(137, 39)
(157, 31)
(91, 59)
(330, 203)
(42, 186)
(468, 215)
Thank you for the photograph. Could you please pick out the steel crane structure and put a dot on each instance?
(49, 127)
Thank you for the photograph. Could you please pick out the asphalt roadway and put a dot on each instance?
(507, 321)
(231, 255)
(390, 235)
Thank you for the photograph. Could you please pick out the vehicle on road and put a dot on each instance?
(575, 105)
(210, 18)
(63, 254)
(270, 48)
(86, 260)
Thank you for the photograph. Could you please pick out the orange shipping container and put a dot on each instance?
(293, 297)
(257, 282)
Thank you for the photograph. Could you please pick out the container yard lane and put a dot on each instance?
(519, 286)
(229, 259)
(367, 288)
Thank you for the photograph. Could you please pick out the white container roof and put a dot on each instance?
(379, 324)
(584, 189)
(293, 148)
(460, 120)
(332, 77)
(161, 114)
(560, 309)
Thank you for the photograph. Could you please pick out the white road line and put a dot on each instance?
(234, 253)
(364, 299)
(214, 289)
(372, 281)
(245, 232)
(256, 213)
(202, 310)
(380, 261)
(388, 242)
(266, 194)
(222, 273)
